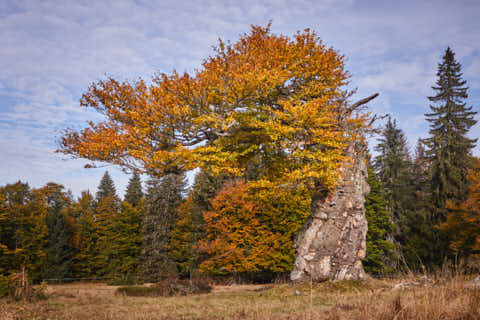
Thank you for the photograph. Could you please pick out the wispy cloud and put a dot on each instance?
(52, 50)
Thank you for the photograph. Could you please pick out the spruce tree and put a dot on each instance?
(448, 150)
(190, 226)
(162, 200)
(106, 212)
(134, 193)
(393, 167)
(448, 146)
(415, 228)
(59, 249)
(86, 236)
(119, 243)
(106, 187)
(378, 259)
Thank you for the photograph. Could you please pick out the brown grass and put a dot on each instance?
(372, 299)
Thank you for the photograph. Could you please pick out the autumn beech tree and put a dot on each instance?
(268, 101)
(265, 95)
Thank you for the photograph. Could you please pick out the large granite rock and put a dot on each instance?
(332, 243)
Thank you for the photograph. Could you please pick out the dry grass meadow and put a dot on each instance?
(372, 299)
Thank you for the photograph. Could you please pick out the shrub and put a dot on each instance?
(17, 286)
(167, 288)
(5, 287)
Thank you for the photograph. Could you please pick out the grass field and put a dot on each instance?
(372, 299)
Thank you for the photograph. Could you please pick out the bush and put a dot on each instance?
(5, 287)
(124, 281)
(17, 286)
(167, 288)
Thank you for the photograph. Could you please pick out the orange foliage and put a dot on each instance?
(463, 221)
(252, 230)
(264, 96)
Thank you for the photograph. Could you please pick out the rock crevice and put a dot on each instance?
(333, 242)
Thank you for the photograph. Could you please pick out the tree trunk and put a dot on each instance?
(333, 242)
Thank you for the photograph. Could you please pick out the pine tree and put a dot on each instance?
(134, 192)
(393, 166)
(85, 237)
(190, 225)
(59, 249)
(378, 259)
(106, 211)
(106, 187)
(448, 146)
(416, 229)
(448, 150)
(120, 243)
(162, 200)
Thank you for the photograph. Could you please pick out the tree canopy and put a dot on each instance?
(266, 97)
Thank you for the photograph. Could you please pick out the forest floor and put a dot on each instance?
(362, 300)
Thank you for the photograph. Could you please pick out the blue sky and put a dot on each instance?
(52, 50)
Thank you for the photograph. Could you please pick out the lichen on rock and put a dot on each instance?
(333, 242)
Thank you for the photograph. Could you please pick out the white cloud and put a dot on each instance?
(52, 50)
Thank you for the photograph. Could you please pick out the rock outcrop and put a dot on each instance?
(333, 242)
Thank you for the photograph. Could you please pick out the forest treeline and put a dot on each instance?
(423, 209)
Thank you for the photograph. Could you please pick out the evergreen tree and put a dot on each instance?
(85, 237)
(448, 149)
(448, 146)
(190, 226)
(162, 200)
(134, 192)
(106, 187)
(378, 259)
(59, 248)
(106, 215)
(120, 241)
(416, 228)
(106, 211)
(393, 166)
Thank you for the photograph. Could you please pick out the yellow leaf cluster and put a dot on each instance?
(266, 99)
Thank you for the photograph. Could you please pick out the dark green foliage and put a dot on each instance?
(448, 149)
(59, 247)
(162, 200)
(5, 287)
(24, 230)
(6, 235)
(106, 187)
(379, 248)
(168, 288)
(105, 217)
(190, 227)
(448, 146)
(416, 229)
(393, 167)
(85, 239)
(134, 193)
(14, 199)
(120, 243)
(106, 213)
